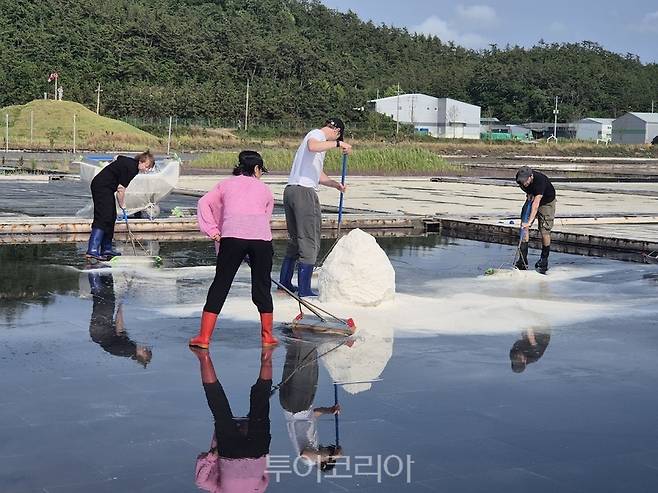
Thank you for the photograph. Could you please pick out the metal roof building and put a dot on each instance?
(439, 117)
(635, 128)
(594, 129)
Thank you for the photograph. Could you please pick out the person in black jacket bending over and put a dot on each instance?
(540, 196)
(113, 178)
(106, 326)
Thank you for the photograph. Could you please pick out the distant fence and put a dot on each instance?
(40, 135)
(34, 133)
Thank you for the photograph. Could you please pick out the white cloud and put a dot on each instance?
(478, 16)
(650, 22)
(436, 26)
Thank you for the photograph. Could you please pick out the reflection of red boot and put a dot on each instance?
(267, 339)
(208, 320)
(266, 363)
(207, 369)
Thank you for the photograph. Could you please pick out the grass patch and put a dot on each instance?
(53, 128)
(380, 161)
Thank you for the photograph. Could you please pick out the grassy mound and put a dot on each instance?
(53, 128)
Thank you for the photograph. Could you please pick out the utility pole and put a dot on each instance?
(169, 135)
(397, 115)
(555, 112)
(246, 109)
(31, 127)
(74, 131)
(98, 99)
(413, 98)
(6, 133)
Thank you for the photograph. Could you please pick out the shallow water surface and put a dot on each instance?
(465, 382)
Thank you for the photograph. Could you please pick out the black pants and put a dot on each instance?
(105, 209)
(231, 253)
(252, 442)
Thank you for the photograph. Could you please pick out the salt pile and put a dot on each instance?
(357, 271)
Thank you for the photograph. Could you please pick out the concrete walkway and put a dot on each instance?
(605, 215)
(471, 198)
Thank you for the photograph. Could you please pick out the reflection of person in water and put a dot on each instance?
(107, 328)
(529, 348)
(237, 459)
(300, 377)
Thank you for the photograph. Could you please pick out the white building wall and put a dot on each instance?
(445, 117)
(418, 110)
(652, 132)
(589, 130)
(458, 120)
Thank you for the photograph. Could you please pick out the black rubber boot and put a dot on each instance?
(542, 263)
(522, 262)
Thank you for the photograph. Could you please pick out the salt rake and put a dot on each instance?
(323, 322)
(524, 217)
(135, 259)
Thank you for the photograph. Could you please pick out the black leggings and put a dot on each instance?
(231, 253)
(252, 442)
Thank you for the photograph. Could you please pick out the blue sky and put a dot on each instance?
(620, 26)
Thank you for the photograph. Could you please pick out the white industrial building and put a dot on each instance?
(635, 128)
(439, 117)
(597, 129)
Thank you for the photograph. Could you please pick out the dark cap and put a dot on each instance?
(523, 174)
(336, 123)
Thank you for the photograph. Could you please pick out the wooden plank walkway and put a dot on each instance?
(65, 229)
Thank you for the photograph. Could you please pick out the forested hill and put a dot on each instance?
(192, 58)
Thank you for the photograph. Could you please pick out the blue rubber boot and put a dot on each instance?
(95, 283)
(287, 270)
(94, 247)
(106, 247)
(304, 273)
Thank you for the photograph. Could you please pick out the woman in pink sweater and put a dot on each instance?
(238, 211)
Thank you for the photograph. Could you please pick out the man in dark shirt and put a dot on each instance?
(540, 195)
(113, 178)
(529, 348)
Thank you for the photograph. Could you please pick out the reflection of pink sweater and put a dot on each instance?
(238, 207)
(220, 475)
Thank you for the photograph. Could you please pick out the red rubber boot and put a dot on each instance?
(267, 339)
(202, 340)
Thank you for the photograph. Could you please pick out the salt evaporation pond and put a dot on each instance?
(460, 383)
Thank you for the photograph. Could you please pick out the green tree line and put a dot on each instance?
(192, 58)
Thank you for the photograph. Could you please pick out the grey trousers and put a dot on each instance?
(304, 223)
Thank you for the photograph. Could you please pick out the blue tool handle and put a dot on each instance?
(342, 182)
(336, 414)
(525, 215)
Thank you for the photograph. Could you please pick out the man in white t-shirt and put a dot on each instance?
(302, 207)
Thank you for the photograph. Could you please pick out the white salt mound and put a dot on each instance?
(358, 271)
